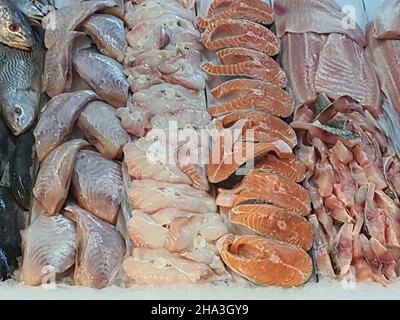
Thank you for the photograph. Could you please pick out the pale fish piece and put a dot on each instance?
(104, 75)
(101, 250)
(48, 246)
(97, 185)
(102, 129)
(57, 120)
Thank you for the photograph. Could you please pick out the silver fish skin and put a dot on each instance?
(20, 86)
(15, 30)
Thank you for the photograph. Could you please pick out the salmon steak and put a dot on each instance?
(54, 177)
(269, 188)
(265, 261)
(97, 185)
(291, 168)
(251, 94)
(240, 33)
(249, 63)
(253, 10)
(274, 222)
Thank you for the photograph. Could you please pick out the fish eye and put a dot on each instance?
(18, 111)
(14, 27)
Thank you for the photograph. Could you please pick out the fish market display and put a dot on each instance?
(174, 225)
(267, 207)
(349, 161)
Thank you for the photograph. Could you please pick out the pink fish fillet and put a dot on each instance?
(300, 56)
(387, 20)
(345, 70)
(322, 16)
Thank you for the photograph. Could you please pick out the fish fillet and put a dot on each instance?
(387, 20)
(104, 75)
(48, 247)
(321, 16)
(57, 120)
(101, 250)
(54, 177)
(97, 185)
(102, 129)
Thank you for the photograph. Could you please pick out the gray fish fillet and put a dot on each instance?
(101, 250)
(20, 86)
(48, 247)
(104, 75)
(57, 75)
(109, 35)
(57, 120)
(101, 127)
(15, 30)
(97, 185)
(54, 177)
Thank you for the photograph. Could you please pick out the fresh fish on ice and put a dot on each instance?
(48, 246)
(104, 75)
(54, 177)
(57, 120)
(97, 185)
(101, 250)
(101, 128)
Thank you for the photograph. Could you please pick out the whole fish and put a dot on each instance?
(20, 169)
(20, 86)
(5, 146)
(10, 239)
(15, 30)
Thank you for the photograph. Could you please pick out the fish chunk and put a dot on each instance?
(321, 16)
(251, 94)
(387, 20)
(253, 10)
(265, 261)
(44, 258)
(271, 221)
(345, 70)
(343, 249)
(300, 56)
(57, 75)
(240, 33)
(97, 185)
(151, 196)
(374, 217)
(104, 75)
(59, 22)
(268, 187)
(160, 267)
(54, 177)
(249, 63)
(57, 120)
(102, 129)
(109, 35)
(135, 120)
(101, 250)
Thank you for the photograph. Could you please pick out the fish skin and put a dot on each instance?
(57, 120)
(10, 239)
(104, 75)
(6, 142)
(101, 249)
(57, 75)
(54, 176)
(109, 34)
(40, 252)
(15, 30)
(101, 128)
(20, 89)
(21, 180)
(97, 185)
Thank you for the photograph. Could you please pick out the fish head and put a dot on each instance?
(20, 110)
(15, 30)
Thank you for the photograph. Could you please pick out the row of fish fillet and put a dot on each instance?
(344, 134)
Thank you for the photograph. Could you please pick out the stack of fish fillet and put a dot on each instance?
(267, 208)
(352, 172)
(79, 140)
(174, 223)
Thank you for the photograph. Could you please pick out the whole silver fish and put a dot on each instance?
(20, 86)
(15, 30)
